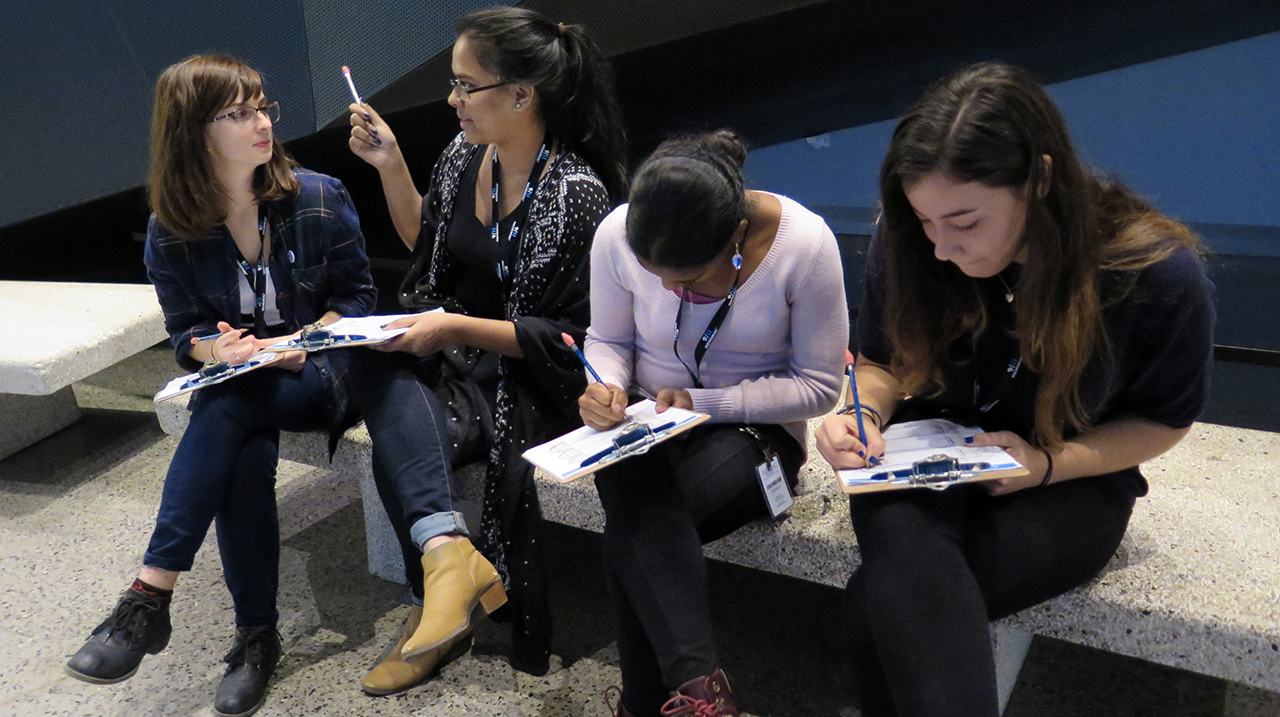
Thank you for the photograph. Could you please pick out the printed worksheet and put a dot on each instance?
(586, 450)
(913, 441)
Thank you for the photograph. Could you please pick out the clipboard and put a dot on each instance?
(585, 450)
(345, 332)
(931, 454)
(211, 374)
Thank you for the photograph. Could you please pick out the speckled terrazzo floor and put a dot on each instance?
(76, 510)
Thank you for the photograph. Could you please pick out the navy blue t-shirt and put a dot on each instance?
(1161, 341)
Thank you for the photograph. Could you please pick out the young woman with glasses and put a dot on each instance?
(719, 300)
(243, 246)
(500, 240)
(1009, 289)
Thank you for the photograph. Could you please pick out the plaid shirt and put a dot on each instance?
(317, 264)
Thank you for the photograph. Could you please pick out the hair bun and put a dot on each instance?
(727, 144)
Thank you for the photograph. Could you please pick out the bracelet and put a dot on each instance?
(871, 413)
(1048, 475)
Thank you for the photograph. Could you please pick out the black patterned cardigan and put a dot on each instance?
(537, 395)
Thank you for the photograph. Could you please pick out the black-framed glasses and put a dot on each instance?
(465, 91)
(246, 113)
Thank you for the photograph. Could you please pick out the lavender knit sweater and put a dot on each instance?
(779, 355)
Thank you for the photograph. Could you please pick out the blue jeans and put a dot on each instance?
(225, 468)
(411, 454)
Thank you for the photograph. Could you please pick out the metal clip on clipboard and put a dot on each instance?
(633, 441)
(937, 472)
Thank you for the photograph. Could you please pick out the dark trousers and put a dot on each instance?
(937, 567)
(660, 508)
(225, 468)
(411, 452)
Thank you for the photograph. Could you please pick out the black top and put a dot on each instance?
(479, 288)
(1161, 335)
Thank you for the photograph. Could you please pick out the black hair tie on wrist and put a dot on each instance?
(1048, 475)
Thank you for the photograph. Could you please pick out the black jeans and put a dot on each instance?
(937, 567)
(660, 508)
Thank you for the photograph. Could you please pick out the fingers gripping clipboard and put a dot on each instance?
(931, 454)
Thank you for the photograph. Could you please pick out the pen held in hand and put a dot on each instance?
(568, 341)
(850, 364)
(351, 85)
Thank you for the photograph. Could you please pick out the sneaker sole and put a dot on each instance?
(98, 680)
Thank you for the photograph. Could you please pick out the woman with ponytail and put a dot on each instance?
(501, 241)
(1009, 289)
(754, 279)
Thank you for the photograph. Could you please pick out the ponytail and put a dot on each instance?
(572, 77)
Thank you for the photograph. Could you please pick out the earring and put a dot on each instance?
(518, 105)
(737, 256)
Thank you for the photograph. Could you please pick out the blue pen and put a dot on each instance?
(625, 439)
(568, 341)
(850, 364)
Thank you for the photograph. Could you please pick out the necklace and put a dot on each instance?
(1008, 292)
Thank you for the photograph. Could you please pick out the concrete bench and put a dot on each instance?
(57, 333)
(1194, 584)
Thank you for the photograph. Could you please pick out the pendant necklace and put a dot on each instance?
(1008, 292)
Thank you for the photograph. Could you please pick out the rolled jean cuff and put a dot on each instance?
(417, 601)
(449, 523)
(174, 566)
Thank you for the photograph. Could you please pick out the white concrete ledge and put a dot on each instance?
(57, 333)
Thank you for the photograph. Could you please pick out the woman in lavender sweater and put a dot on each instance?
(746, 287)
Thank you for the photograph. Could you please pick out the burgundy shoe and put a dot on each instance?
(618, 710)
(708, 696)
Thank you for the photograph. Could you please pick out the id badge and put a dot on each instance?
(774, 484)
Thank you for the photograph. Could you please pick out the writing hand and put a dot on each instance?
(602, 406)
(838, 442)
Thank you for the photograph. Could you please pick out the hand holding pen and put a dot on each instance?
(603, 405)
(371, 138)
(847, 439)
(234, 346)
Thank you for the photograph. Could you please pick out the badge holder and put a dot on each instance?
(773, 482)
(937, 472)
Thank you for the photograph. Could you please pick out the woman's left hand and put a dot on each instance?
(1028, 455)
(677, 397)
(290, 361)
(428, 333)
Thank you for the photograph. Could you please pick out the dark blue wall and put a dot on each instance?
(80, 74)
(1198, 133)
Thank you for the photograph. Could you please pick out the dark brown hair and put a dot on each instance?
(992, 123)
(687, 200)
(573, 78)
(185, 192)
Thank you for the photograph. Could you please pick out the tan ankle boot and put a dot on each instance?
(396, 673)
(456, 579)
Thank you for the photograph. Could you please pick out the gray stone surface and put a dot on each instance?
(27, 419)
(61, 332)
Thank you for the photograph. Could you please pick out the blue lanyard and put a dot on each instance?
(503, 268)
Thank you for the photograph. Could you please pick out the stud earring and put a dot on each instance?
(518, 105)
(737, 256)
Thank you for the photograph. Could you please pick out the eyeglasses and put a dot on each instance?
(245, 114)
(465, 91)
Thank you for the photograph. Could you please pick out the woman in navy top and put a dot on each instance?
(244, 246)
(1007, 289)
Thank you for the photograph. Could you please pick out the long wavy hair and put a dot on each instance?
(1086, 238)
(182, 185)
(572, 77)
